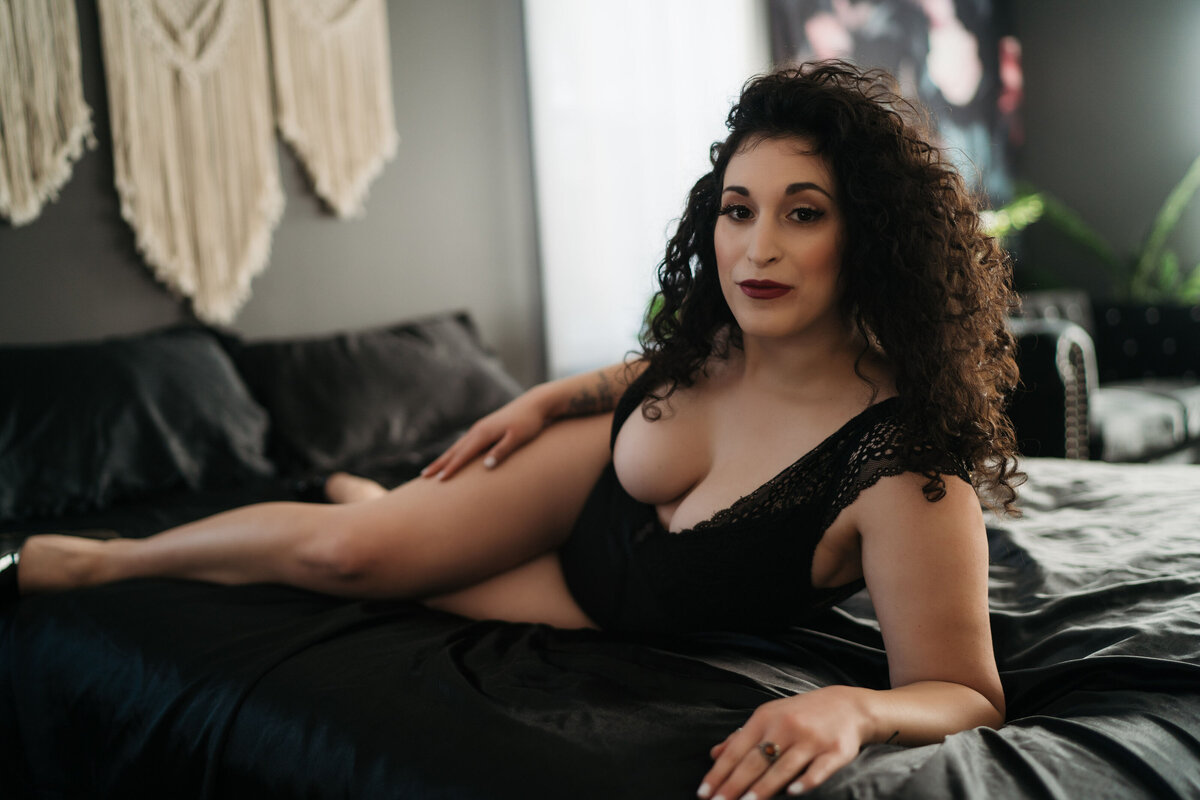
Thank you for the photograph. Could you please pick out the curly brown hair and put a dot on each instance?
(921, 281)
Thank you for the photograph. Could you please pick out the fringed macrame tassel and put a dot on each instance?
(193, 142)
(333, 93)
(44, 122)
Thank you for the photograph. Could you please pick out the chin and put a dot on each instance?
(766, 325)
(768, 329)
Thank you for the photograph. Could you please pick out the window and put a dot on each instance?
(626, 97)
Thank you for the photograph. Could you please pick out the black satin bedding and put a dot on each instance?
(175, 689)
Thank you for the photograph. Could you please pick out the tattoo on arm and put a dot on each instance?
(593, 400)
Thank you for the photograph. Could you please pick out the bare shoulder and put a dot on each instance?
(897, 507)
(917, 551)
(908, 489)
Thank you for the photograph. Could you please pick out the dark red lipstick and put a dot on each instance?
(763, 290)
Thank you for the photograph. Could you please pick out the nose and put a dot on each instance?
(763, 247)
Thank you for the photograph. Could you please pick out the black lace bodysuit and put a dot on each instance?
(748, 567)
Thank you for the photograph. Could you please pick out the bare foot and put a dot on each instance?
(342, 487)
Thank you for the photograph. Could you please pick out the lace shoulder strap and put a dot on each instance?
(885, 450)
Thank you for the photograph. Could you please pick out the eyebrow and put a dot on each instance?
(792, 188)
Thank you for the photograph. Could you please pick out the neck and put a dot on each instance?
(816, 366)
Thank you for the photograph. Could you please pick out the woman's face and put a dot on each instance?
(779, 238)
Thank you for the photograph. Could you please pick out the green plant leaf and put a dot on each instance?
(652, 308)
(1169, 276)
(1151, 274)
(1165, 221)
(1189, 292)
(1162, 284)
(1014, 216)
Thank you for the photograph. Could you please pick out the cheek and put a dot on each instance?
(726, 250)
(828, 257)
(726, 259)
(723, 247)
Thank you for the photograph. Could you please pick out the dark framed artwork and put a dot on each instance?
(956, 57)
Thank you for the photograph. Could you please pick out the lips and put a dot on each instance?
(763, 290)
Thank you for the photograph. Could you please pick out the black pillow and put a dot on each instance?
(355, 400)
(83, 425)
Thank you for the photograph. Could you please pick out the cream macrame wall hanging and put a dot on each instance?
(44, 122)
(193, 142)
(333, 93)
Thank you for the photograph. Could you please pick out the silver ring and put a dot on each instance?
(770, 751)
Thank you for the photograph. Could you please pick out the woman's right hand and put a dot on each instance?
(500, 433)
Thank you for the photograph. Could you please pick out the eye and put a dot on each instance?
(806, 214)
(735, 211)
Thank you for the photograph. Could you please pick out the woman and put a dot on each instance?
(820, 395)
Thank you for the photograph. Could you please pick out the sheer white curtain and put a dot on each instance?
(626, 96)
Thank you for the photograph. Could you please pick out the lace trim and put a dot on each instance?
(834, 473)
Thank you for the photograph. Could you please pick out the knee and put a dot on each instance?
(341, 553)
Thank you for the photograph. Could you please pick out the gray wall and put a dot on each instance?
(1112, 121)
(449, 224)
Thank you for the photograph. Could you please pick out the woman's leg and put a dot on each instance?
(531, 592)
(426, 537)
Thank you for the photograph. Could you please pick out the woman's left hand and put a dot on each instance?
(812, 734)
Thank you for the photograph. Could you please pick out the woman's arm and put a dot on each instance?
(926, 567)
(523, 418)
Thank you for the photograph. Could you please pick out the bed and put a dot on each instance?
(156, 688)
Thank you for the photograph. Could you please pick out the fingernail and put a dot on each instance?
(441, 476)
(750, 796)
(796, 788)
(704, 791)
(489, 462)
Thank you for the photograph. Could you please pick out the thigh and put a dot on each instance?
(429, 536)
(532, 592)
